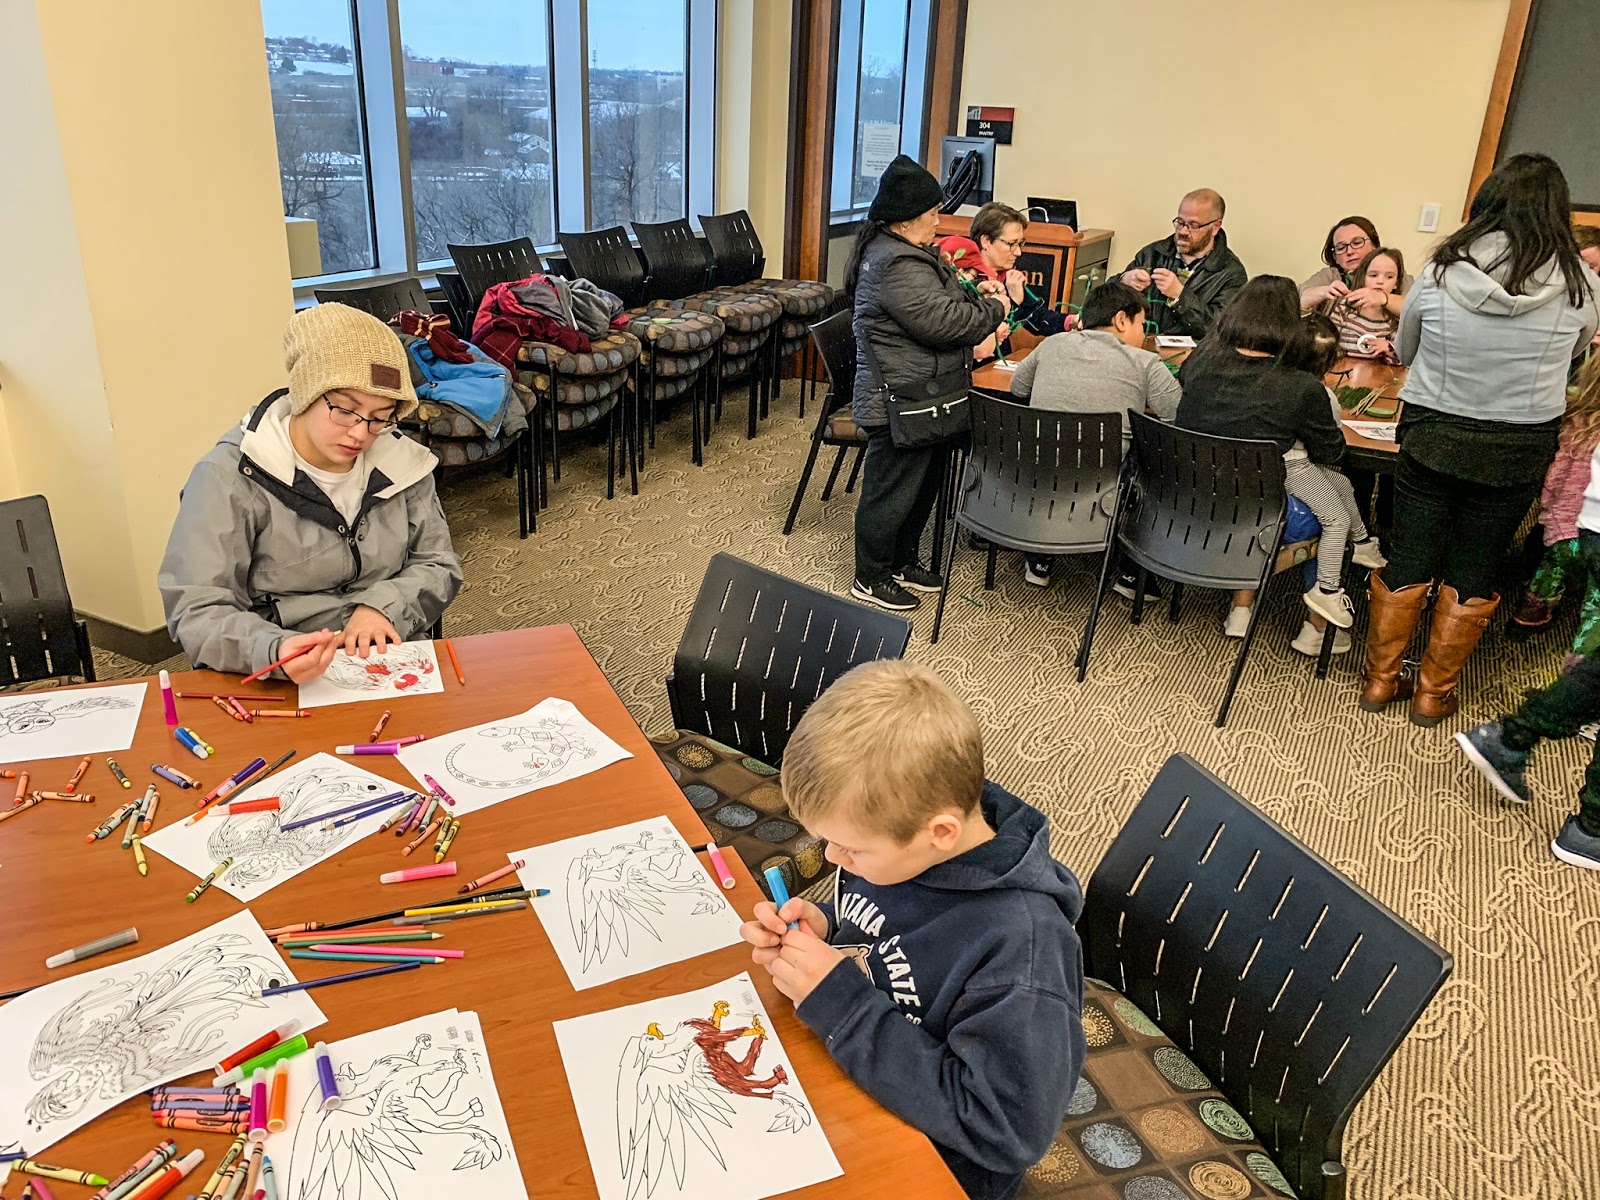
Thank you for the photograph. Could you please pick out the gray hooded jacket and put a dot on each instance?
(1477, 351)
(259, 552)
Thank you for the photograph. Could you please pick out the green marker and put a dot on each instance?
(266, 1058)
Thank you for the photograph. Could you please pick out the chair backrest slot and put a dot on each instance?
(40, 637)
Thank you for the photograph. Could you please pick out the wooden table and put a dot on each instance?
(1369, 453)
(62, 892)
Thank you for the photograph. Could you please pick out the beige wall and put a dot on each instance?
(753, 116)
(1124, 107)
(147, 277)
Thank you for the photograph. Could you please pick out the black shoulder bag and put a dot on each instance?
(924, 414)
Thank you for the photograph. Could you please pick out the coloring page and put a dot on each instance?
(66, 721)
(626, 900)
(406, 669)
(72, 1049)
(263, 853)
(550, 743)
(419, 1118)
(692, 1096)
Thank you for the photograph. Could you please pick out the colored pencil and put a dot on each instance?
(258, 697)
(455, 662)
(310, 941)
(273, 666)
(340, 956)
(399, 952)
(481, 898)
(385, 969)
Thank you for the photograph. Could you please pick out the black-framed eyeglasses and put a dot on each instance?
(1016, 244)
(348, 418)
(1193, 226)
(1360, 243)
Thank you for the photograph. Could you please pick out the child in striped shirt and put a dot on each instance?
(1366, 330)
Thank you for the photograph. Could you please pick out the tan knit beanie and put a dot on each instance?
(332, 346)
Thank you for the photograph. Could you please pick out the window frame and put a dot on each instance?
(379, 68)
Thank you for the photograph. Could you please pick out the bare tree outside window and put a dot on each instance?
(322, 163)
(881, 86)
(636, 111)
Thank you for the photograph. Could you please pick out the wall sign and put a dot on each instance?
(985, 120)
(880, 143)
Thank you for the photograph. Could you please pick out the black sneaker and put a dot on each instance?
(1497, 762)
(919, 579)
(1575, 847)
(1124, 584)
(1037, 571)
(887, 594)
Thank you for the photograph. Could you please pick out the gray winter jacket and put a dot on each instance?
(259, 552)
(1477, 351)
(923, 325)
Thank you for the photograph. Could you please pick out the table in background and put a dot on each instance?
(62, 892)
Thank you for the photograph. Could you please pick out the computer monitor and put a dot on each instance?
(971, 160)
(1054, 212)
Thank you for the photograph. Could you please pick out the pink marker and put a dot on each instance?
(391, 951)
(168, 704)
(258, 1106)
(431, 871)
(433, 786)
(721, 864)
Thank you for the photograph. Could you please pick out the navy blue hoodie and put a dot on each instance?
(958, 1006)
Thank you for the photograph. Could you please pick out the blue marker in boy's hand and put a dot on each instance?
(780, 893)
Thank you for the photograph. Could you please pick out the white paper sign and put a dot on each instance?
(880, 145)
(626, 900)
(263, 853)
(549, 744)
(419, 1119)
(408, 669)
(692, 1096)
(70, 1050)
(66, 721)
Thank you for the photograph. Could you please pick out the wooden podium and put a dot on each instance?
(1062, 264)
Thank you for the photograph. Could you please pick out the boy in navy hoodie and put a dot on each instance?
(945, 975)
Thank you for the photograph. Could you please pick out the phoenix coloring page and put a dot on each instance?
(56, 723)
(70, 1050)
(263, 853)
(692, 1096)
(419, 1117)
(406, 669)
(626, 900)
(550, 743)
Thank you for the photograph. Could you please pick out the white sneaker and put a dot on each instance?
(1237, 620)
(1309, 641)
(1369, 554)
(1335, 606)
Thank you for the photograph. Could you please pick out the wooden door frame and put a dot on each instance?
(1518, 19)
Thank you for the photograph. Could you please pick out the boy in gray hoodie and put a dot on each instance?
(944, 975)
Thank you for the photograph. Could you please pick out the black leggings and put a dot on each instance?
(1452, 529)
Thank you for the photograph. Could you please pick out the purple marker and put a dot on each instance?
(325, 1078)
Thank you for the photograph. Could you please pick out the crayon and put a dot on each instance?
(71, 797)
(139, 859)
(122, 779)
(203, 1122)
(104, 829)
(412, 845)
(204, 885)
(174, 776)
(167, 1178)
(385, 969)
(222, 1174)
(269, 1184)
(152, 1161)
(378, 728)
(448, 841)
(262, 1044)
(201, 1108)
(169, 706)
(485, 880)
(455, 662)
(16, 810)
(226, 707)
(244, 713)
(412, 816)
(133, 823)
(147, 809)
(72, 784)
(280, 712)
(253, 1171)
(433, 786)
(27, 1166)
(113, 941)
(21, 793)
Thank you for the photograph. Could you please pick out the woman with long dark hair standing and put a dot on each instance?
(1490, 330)
(915, 326)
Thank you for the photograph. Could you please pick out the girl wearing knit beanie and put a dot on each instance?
(314, 522)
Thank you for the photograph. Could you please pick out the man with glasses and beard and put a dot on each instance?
(1188, 278)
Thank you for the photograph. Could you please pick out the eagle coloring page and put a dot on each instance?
(63, 721)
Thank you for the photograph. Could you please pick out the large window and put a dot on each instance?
(883, 48)
(405, 125)
(477, 80)
(316, 106)
(636, 111)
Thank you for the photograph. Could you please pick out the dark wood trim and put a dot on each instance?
(143, 646)
(813, 78)
(941, 103)
(1518, 19)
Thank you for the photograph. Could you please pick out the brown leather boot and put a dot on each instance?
(1457, 626)
(1393, 621)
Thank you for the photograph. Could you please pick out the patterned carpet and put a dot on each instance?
(1496, 1096)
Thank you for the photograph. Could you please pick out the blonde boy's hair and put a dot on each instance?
(889, 745)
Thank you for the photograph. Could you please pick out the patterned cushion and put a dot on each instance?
(672, 365)
(606, 354)
(792, 330)
(581, 416)
(800, 297)
(741, 802)
(675, 330)
(435, 420)
(741, 345)
(737, 368)
(668, 386)
(1293, 554)
(842, 425)
(578, 389)
(455, 452)
(1146, 1123)
(741, 312)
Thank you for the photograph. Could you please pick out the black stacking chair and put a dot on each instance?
(1037, 481)
(382, 300)
(675, 263)
(1198, 510)
(461, 307)
(1286, 983)
(483, 266)
(736, 253)
(40, 638)
(836, 346)
(757, 651)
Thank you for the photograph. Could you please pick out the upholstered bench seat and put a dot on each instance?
(1146, 1124)
(675, 330)
(608, 353)
(741, 312)
(803, 299)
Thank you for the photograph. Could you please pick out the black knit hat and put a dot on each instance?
(906, 190)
